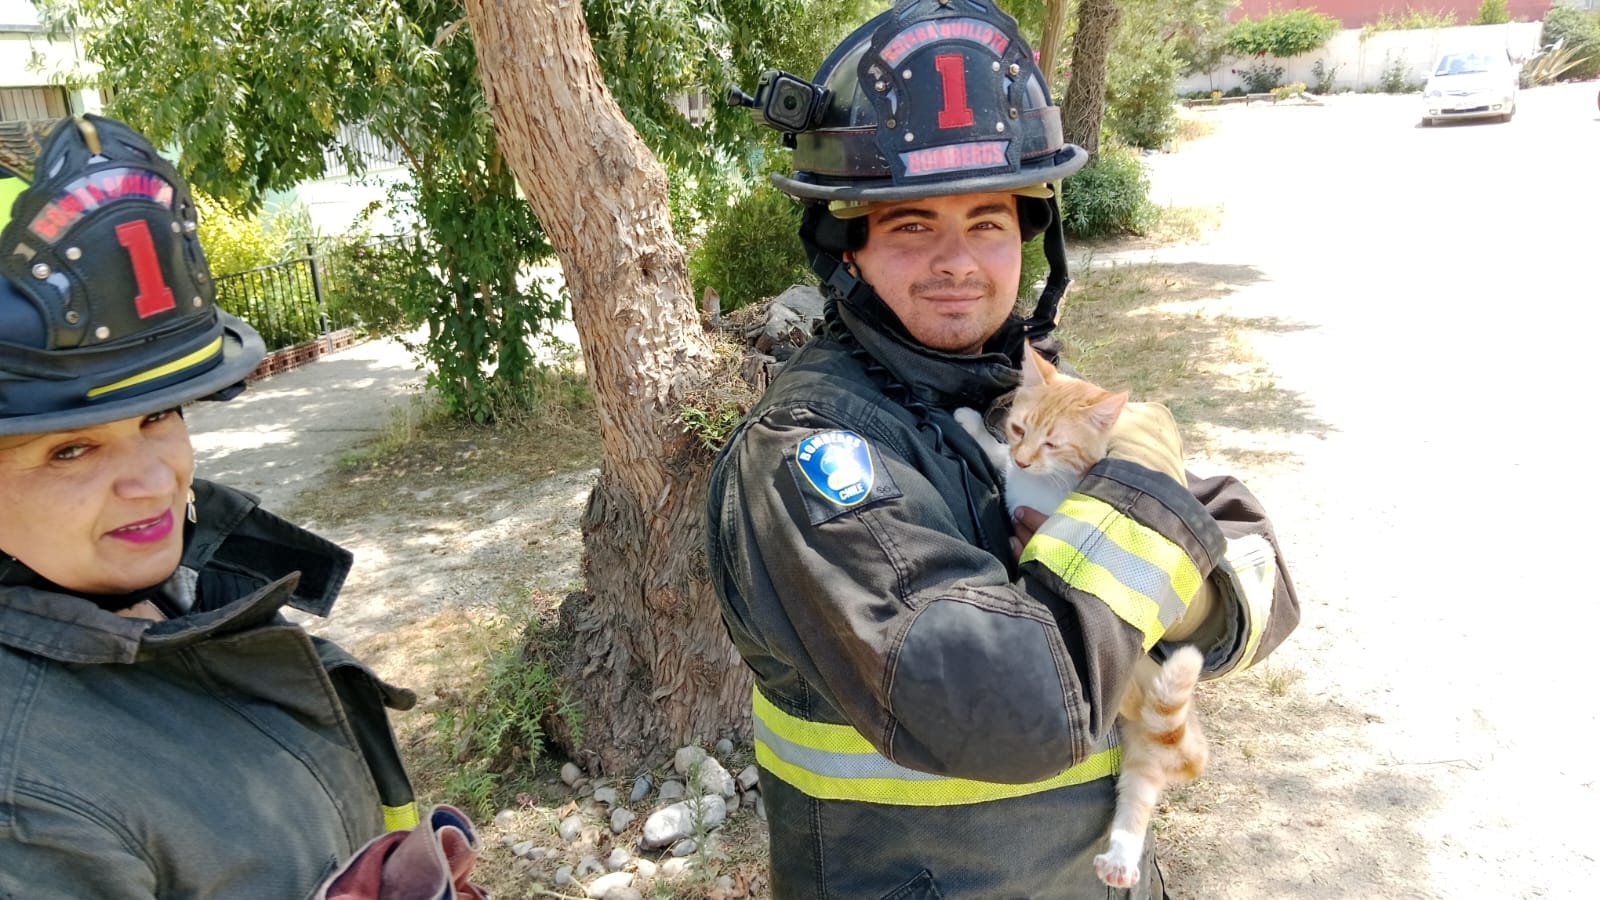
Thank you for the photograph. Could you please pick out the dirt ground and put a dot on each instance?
(1424, 733)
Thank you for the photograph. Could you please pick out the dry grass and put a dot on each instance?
(1191, 126)
(1155, 331)
(420, 445)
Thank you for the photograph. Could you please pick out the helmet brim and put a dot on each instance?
(242, 350)
(885, 190)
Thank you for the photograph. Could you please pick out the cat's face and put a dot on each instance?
(1060, 424)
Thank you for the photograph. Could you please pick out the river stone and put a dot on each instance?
(621, 819)
(749, 778)
(678, 820)
(687, 758)
(599, 886)
(714, 779)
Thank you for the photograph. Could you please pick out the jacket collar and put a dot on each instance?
(934, 377)
(285, 564)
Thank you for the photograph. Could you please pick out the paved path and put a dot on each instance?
(285, 433)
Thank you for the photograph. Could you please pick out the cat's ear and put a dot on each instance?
(1036, 370)
(1106, 410)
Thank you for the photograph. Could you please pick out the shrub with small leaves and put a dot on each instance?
(1111, 196)
(1492, 12)
(1395, 76)
(1282, 33)
(751, 250)
(1322, 77)
(1261, 76)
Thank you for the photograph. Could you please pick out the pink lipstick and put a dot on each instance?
(147, 531)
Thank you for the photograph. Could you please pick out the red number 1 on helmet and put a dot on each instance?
(953, 74)
(154, 296)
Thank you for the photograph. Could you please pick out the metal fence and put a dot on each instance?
(283, 301)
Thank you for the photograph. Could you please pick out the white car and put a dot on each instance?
(1471, 84)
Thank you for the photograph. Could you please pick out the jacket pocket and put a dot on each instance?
(921, 887)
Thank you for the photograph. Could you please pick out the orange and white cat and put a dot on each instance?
(1057, 428)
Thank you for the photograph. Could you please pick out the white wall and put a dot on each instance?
(28, 58)
(1361, 63)
(335, 204)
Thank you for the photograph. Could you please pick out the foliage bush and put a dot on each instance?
(1286, 91)
(281, 304)
(1492, 12)
(751, 250)
(1394, 78)
(1322, 77)
(233, 240)
(1579, 31)
(1409, 20)
(493, 730)
(364, 278)
(1549, 64)
(1139, 95)
(1261, 76)
(1282, 33)
(1109, 197)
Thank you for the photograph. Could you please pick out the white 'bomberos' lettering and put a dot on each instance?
(954, 157)
(818, 442)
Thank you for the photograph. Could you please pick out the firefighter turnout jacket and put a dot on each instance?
(222, 753)
(933, 717)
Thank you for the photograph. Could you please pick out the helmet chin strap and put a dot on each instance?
(1043, 320)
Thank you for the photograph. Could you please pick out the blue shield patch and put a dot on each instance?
(838, 464)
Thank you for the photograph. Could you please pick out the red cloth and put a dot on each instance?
(428, 862)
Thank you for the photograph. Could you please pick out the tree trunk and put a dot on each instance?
(1055, 22)
(650, 664)
(1085, 108)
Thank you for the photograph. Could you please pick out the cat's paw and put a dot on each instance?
(1116, 871)
(970, 419)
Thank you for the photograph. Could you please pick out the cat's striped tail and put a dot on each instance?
(1165, 711)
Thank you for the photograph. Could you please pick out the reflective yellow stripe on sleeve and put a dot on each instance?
(1146, 579)
(397, 817)
(834, 762)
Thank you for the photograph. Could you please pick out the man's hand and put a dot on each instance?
(1024, 522)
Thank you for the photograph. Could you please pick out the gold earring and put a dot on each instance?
(190, 511)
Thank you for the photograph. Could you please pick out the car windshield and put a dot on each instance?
(1463, 64)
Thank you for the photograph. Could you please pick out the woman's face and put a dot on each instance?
(98, 510)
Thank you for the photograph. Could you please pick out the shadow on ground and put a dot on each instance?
(1258, 822)
(1171, 333)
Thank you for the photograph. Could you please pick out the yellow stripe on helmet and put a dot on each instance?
(179, 364)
